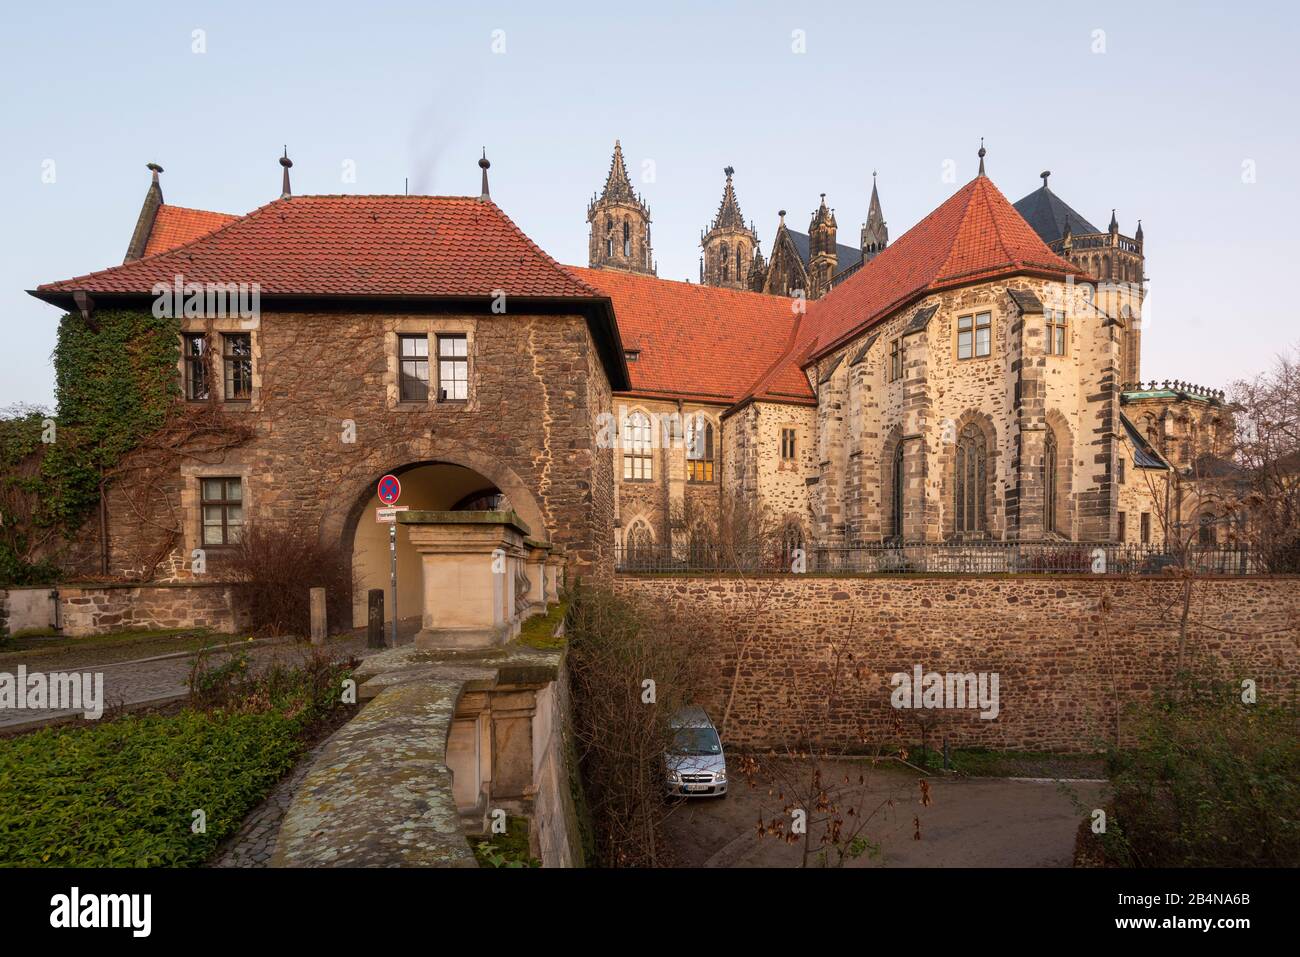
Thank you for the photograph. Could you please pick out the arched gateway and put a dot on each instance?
(436, 485)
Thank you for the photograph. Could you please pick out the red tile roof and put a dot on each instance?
(176, 225)
(974, 236)
(700, 342)
(436, 246)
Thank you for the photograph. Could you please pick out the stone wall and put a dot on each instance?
(98, 609)
(817, 653)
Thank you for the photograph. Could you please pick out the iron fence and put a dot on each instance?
(958, 558)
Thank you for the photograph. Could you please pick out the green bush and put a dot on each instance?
(122, 792)
(1212, 783)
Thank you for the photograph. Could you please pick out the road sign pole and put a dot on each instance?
(392, 552)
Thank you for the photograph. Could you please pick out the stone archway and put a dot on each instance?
(440, 483)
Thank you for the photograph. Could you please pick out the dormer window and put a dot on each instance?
(631, 355)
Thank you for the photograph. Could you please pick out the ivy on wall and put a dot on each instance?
(115, 383)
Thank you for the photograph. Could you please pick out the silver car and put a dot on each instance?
(695, 764)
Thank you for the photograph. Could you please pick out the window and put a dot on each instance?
(237, 357)
(1049, 483)
(1055, 319)
(222, 506)
(1146, 528)
(969, 486)
(636, 448)
(787, 445)
(974, 335)
(627, 239)
(699, 449)
(639, 546)
(1119, 470)
(791, 544)
(1123, 527)
(453, 369)
(196, 367)
(896, 360)
(1206, 534)
(413, 378)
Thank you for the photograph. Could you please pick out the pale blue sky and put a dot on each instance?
(1158, 126)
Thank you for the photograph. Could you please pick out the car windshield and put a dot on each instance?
(696, 741)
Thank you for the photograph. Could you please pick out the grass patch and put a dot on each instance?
(123, 792)
(505, 850)
(982, 763)
(539, 631)
(103, 649)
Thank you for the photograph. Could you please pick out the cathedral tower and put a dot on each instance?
(729, 244)
(822, 259)
(620, 224)
(875, 234)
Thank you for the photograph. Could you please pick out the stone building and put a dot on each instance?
(962, 382)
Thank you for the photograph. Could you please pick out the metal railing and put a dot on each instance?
(956, 558)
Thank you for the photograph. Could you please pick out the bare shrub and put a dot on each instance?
(274, 567)
(629, 677)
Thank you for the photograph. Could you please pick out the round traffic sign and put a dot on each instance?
(390, 490)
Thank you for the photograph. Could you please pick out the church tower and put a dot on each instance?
(620, 224)
(728, 245)
(875, 234)
(822, 258)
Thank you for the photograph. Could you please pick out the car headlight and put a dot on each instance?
(674, 777)
(720, 775)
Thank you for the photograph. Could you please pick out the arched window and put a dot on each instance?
(724, 263)
(971, 471)
(738, 272)
(638, 546)
(609, 246)
(1206, 533)
(627, 239)
(636, 448)
(791, 544)
(896, 486)
(699, 449)
(1049, 482)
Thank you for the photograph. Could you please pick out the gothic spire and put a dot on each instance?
(875, 234)
(729, 210)
(617, 185)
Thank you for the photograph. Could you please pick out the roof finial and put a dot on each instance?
(155, 169)
(729, 170)
(1114, 222)
(285, 192)
(1044, 174)
(483, 164)
(981, 155)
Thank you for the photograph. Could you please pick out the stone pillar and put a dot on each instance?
(538, 552)
(920, 520)
(1028, 365)
(554, 574)
(470, 565)
(512, 744)
(319, 626)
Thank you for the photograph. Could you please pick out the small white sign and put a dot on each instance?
(387, 514)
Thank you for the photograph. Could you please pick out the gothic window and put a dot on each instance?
(638, 546)
(725, 264)
(699, 449)
(636, 448)
(1206, 532)
(896, 486)
(627, 239)
(791, 543)
(738, 270)
(970, 481)
(609, 246)
(1049, 482)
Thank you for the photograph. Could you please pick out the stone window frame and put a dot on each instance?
(190, 362)
(454, 359)
(896, 364)
(973, 313)
(636, 454)
(191, 499)
(707, 461)
(1057, 330)
(403, 359)
(793, 432)
(224, 503)
(216, 327)
(432, 327)
(228, 359)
